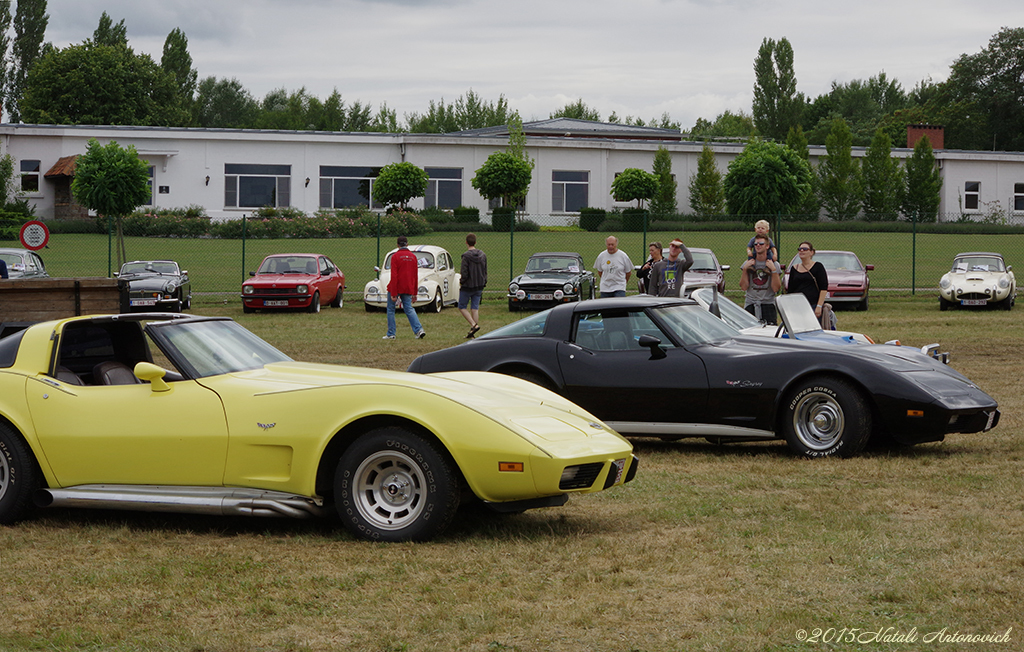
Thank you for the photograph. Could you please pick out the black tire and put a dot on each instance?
(944, 305)
(314, 305)
(513, 306)
(592, 291)
(824, 416)
(339, 299)
(863, 305)
(369, 308)
(186, 304)
(247, 310)
(1007, 303)
(393, 485)
(436, 304)
(19, 476)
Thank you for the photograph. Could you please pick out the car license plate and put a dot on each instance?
(540, 297)
(991, 418)
(276, 303)
(143, 302)
(973, 302)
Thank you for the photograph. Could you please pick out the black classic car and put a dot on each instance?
(156, 285)
(551, 278)
(668, 368)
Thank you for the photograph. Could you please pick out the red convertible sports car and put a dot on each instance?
(302, 281)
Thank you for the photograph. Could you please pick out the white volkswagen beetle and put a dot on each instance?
(978, 278)
(438, 280)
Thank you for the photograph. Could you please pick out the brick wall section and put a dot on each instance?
(936, 135)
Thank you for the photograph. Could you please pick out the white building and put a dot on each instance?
(232, 172)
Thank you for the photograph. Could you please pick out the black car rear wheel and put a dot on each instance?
(19, 476)
(393, 485)
(824, 416)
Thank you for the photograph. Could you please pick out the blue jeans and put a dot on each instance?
(609, 295)
(410, 312)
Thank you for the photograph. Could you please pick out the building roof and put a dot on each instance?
(64, 167)
(574, 128)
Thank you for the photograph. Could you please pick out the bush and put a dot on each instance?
(464, 227)
(434, 215)
(501, 218)
(466, 214)
(591, 218)
(611, 224)
(634, 219)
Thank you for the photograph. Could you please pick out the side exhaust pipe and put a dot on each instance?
(214, 501)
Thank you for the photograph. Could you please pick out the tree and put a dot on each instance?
(112, 181)
(991, 81)
(862, 104)
(664, 201)
(397, 183)
(224, 104)
(776, 104)
(808, 207)
(100, 85)
(517, 148)
(634, 184)
(503, 176)
(707, 196)
(177, 63)
(107, 33)
(467, 112)
(30, 20)
(923, 184)
(884, 180)
(727, 125)
(766, 179)
(839, 189)
(578, 110)
(5, 44)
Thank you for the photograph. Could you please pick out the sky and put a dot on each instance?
(642, 58)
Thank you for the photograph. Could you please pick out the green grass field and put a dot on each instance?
(221, 265)
(725, 548)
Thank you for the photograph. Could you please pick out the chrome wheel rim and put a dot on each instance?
(390, 490)
(818, 421)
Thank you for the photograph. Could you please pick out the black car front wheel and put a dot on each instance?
(393, 485)
(19, 476)
(314, 305)
(824, 416)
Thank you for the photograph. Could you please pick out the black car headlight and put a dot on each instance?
(568, 288)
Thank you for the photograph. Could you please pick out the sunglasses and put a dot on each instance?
(760, 244)
(804, 249)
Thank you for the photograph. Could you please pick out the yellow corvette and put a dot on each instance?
(227, 424)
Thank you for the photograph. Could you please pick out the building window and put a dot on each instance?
(570, 191)
(1018, 197)
(256, 186)
(972, 195)
(344, 186)
(30, 176)
(444, 187)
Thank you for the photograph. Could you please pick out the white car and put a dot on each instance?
(978, 278)
(438, 280)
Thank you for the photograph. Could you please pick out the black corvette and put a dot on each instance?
(667, 368)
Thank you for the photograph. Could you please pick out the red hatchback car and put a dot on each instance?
(302, 281)
(848, 281)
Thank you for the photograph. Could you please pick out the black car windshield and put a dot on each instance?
(210, 348)
(149, 267)
(692, 324)
(553, 264)
(532, 326)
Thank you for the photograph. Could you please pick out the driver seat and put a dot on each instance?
(113, 373)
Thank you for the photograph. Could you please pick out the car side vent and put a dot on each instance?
(580, 477)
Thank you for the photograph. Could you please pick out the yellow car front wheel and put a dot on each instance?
(393, 485)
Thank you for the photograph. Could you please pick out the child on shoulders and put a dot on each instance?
(761, 229)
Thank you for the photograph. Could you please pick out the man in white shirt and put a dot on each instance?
(613, 268)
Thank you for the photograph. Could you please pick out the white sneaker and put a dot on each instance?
(388, 337)
(421, 335)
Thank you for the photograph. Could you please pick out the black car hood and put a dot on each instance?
(554, 278)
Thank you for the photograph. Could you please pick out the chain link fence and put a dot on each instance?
(904, 261)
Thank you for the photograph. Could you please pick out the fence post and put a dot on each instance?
(245, 224)
(110, 245)
(913, 256)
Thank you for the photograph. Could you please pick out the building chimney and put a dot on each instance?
(936, 135)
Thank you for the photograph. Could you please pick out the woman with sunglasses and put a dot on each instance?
(808, 278)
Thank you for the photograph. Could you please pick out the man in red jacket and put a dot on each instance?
(404, 282)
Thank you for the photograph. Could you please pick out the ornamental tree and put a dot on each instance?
(924, 181)
(397, 183)
(112, 181)
(503, 176)
(840, 187)
(766, 179)
(634, 184)
(707, 197)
